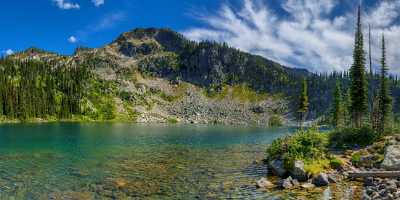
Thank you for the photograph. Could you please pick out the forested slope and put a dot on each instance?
(156, 75)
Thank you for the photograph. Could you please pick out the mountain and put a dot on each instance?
(157, 75)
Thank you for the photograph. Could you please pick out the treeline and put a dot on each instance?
(37, 89)
(360, 98)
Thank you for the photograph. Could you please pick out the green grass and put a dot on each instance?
(336, 163)
(245, 94)
(172, 121)
(169, 98)
(356, 158)
(242, 93)
(316, 166)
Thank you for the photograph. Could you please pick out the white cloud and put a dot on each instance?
(8, 52)
(66, 5)
(98, 3)
(310, 35)
(72, 39)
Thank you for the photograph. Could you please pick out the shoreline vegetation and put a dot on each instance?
(365, 138)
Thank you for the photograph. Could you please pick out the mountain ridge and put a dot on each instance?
(159, 72)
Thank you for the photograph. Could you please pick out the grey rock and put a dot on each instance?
(365, 196)
(392, 158)
(298, 172)
(308, 185)
(278, 168)
(295, 182)
(287, 183)
(369, 181)
(332, 178)
(258, 109)
(321, 180)
(264, 183)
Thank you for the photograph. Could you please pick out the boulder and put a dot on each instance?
(295, 183)
(369, 181)
(264, 183)
(278, 168)
(332, 178)
(298, 172)
(308, 185)
(287, 183)
(392, 158)
(321, 180)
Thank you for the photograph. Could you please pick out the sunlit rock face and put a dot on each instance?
(392, 158)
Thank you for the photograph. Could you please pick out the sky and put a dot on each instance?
(312, 34)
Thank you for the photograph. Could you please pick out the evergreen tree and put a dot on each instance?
(371, 78)
(358, 82)
(384, 98)
(303, 103)
(337, 108)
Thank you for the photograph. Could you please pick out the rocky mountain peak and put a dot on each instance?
(145, 41)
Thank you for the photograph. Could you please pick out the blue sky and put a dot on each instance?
(312, 34)
(46, 24)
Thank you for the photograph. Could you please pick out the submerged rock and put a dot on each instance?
(298, 172)
(321, 180)
(264, 183)
(392, 158)
(278, 168)
(289, 183)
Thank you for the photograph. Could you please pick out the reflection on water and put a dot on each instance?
(127, 161)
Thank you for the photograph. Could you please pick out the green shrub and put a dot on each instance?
(304, 145)
(169, 98)
(352, 137)
(315, 167)
(172, 120)
(107, 110)
(275, 121)
(336, 163)
(356, 159)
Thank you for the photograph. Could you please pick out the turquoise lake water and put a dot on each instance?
(131, 161)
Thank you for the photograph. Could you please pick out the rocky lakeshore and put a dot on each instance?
(380, 157)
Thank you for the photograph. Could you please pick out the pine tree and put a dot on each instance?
(358, 82)
(303, 103)
(337, 108)
(384, 98)
(371, 79)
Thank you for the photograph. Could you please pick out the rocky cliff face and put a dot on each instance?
(207, 64)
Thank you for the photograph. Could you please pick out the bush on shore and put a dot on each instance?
(311, 147)
(353, 138)
(307, 146)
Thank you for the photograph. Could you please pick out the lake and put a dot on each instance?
(132, 161)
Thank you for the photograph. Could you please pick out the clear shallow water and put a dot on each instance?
(130, 161)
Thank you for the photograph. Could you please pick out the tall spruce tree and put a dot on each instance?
(371, 79)
(337, 108)
(303, 103)
(384, 98)
(358, 84)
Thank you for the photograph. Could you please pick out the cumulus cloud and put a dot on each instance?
(310, 34)
(72, 39)
(8, 52)
(66, 5)
(98, 3)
